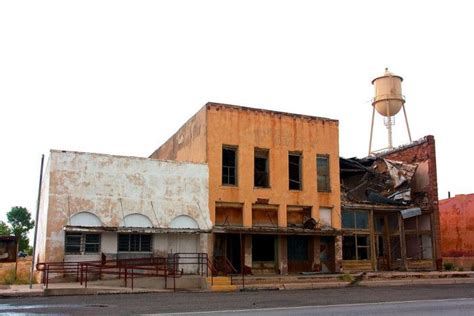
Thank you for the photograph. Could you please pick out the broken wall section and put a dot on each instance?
(425, 185)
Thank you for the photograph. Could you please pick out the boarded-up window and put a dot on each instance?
(229, 165)
(325, 216)
(261, 168)
(324, 183)
(294, 171)
(229, 215)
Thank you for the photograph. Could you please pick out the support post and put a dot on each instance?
(36, 223)
(403, 246)
(406, 121)
(242, 261)
(371, 130)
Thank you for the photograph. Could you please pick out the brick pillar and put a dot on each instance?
(316, 251)
(248, 250)
(283, 254)
(338, 253)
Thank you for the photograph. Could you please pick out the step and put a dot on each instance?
(219, 281)
(224, 288)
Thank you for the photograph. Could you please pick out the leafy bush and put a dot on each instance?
(448, 266)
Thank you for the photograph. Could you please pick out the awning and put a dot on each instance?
(142, 230)
(264, 230)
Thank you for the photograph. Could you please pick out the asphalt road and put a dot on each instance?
(409, 300)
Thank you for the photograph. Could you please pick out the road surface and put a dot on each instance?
(408, 300)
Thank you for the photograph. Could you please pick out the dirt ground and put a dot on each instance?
(7, 271)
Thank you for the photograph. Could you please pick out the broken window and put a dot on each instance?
(260, 171)
(418, 237)
(229, 165)
(294, 170)
(82, 243)
(322, 167)
(134, 243)
(325, 216)
(297, 215)
(356, 247)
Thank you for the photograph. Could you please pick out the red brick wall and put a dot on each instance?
(457, 226)
(419, 151)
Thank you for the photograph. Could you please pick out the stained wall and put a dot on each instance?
(112, 187)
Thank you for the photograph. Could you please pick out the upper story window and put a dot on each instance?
(355, 219)
(229, 165)
(294, 171)
(81, 243)
(261, 167)
(322, 167)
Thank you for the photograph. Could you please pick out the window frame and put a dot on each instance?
(262, 152)
(327, 185)
(132, 249)
(83, 243)
(235, 149)
(300, 171)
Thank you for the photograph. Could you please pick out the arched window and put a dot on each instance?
(85, 219)
(136, 220)
(184, 222)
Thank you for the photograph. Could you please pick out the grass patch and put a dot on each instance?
(346, 277)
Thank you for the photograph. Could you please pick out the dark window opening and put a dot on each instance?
(356, 247)
(134, 243)
(298, 247)
(261, 177)
(322, 167)
(80, 243)
(294, 170)
(263, 248)
(229, 166)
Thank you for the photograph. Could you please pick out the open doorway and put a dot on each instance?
(227, 247)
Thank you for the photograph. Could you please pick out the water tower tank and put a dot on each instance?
(388, 98)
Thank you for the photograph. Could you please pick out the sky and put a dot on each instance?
(120, 77)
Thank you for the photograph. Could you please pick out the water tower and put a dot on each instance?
(388, 101)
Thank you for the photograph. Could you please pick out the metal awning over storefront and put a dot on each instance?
(275, 231)
(141, 230)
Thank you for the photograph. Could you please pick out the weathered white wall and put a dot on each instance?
(112, 187)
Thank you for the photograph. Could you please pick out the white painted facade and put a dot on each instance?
(112, 195)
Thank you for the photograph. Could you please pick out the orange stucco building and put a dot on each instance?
(274, 193)
(457, 230)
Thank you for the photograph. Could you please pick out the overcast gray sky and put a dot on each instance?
(120, 77)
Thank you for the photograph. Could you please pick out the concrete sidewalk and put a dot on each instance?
(255, 283)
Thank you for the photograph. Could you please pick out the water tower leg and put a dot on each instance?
(371, 131)
(406, 121)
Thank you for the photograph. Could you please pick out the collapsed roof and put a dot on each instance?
(376, 180)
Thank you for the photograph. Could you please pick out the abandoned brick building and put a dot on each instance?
(274, 193)
(263, 190)
(390, 214)
(457, 230)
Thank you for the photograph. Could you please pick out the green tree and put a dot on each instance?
(4, 229)
(21, 222)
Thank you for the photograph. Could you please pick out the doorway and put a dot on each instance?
(227, 246)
